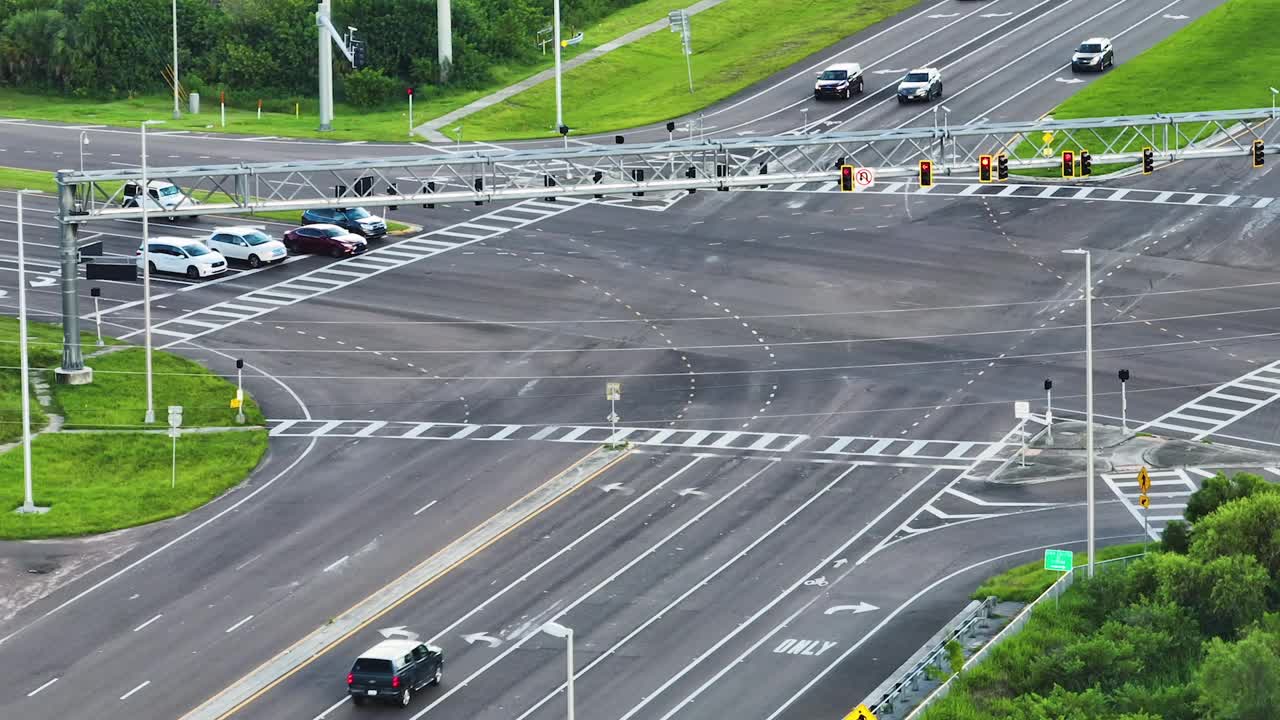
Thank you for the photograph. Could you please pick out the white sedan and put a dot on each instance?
(188, 257)
(249, 244)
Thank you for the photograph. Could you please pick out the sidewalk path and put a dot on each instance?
(431, 129)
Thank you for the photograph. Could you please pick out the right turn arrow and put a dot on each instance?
(855, 609)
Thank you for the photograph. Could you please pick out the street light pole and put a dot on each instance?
(555, 629)
(1088, 394)
(177, 113)
(555, 31)
(150, 416)
(28, 501)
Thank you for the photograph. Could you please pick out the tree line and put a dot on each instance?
(264, 48)
(1189, 632)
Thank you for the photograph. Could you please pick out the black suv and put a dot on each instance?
(393, 670)
(356, 220)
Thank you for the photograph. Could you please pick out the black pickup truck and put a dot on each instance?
(393, 670)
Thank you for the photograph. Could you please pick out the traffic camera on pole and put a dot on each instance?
(1259, 152)
(1086, 163)
(926, 173)
(1002, 167)
(1148, 161)
(984, 168)
(1068, 164)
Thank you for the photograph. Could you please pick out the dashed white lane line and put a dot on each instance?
(42, 687)
(336, 563)
(157, 617)
(131, 692)
(424, 507)
(237, 625)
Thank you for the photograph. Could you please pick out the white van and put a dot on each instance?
(163, 197)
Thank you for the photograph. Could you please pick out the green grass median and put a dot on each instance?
(44, 342)
(1211, 64)
(1025, 583)
(735, 44)
(95, 482)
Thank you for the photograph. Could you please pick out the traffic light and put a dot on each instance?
(1002, 167)
(357, 54)
(984, 168)
(1148, 161)
(1086, 163)
(926, 173)
(846, 178)
(1068, 164)
(1259, 150)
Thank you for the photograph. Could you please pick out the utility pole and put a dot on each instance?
(326, 66)
(555, 36)
(1088, 394)
(177, 111)
(444, 39)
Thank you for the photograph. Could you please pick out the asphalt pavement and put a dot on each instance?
(815, 386)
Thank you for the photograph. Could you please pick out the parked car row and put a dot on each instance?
(337, 233)
(843, 80)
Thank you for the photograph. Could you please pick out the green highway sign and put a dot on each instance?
(1058, 560)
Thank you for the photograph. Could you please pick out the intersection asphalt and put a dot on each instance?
(897, 321)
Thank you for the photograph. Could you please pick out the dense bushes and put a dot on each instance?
(261, 48)
(1171, 637)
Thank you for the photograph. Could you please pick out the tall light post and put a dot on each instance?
(555, 629)
(84, 140)
(555, 31)
(1274, 92)
(150, 416)
(28, 501)
(1088, 393)
(177, 112)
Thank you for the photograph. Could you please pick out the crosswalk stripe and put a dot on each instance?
(726, 439)
(697, 437)
(417, 430)
(575, 433)
(464, 432)
(373, 427)
(454, 233)
(839, 445)
(960, 449)
(915, 447)
(504, 433)
(880, 446)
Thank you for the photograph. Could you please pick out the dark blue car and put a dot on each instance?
(354, 220)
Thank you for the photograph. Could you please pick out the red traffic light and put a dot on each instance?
(1068, 156)
(986, 161)
(846, 178)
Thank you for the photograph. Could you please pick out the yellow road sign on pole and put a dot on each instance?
(1144, 480)
(1144, 501)
(860, 713)
(1047, 138)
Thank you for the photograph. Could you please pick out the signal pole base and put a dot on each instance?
(81, 376)
(31, 510)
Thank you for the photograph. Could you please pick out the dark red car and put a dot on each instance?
(328, 240)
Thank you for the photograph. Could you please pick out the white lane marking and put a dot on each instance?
(338, 704)
(898, 610)
(157, 617)
(599, 586)
(424, 507)
(242, 565)
(839, 552)
(697, 586)
(42, 687)
(126, 695)
(336, 563)
(237, 625)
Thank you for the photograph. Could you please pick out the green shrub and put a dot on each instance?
(1176, 537)
(1218, 490)
(368, 88)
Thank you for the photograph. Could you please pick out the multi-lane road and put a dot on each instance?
(815, 386)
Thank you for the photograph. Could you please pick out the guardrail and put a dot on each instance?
(1016, 624)
(907, 679)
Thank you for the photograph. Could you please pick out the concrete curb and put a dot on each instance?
(431, 128)
(319, 641)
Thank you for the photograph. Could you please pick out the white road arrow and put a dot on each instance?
(855, 609)
(841, 561)
(889, 72)
(691, 491)
(943, 15)
(43, 281)
(1176, 17)
(473, 638)
(4, 293)
(1004, 14)
(400, 630)
(1068, 81)
(617, 486)
(746, 132)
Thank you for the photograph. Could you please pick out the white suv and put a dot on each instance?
(838, 81)
(249, 244)
(920, 84)
(1095, 53)
(187, 257)
(162, 197)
